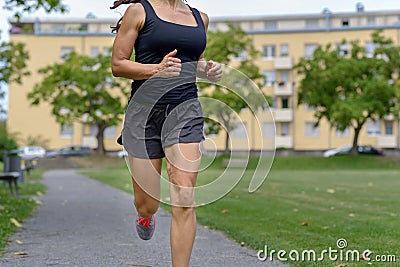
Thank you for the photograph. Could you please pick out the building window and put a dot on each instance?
(268, 129)
(312, 24)
(345, 133)
(371, 21)
(343, 49)
(270, 25)
(311, 131)
(284, 76)
(240, 130)
(373, 128)
(388, 128)
(270, 77)
(274, 103)
(242, 56)
(370, 48)
(309, 50)
(94, 51)
(93, 130)
(284, 129)
(66, 131)
(66, 50)
(110, 132)
(285, 102)
(345, 23)
(106, 51)
(269, 51)
(284, 50)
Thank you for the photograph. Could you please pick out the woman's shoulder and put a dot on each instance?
(204, 17)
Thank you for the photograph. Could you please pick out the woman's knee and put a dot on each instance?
(146, 207)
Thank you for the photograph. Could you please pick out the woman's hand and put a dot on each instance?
(170, 66)
(213, 71)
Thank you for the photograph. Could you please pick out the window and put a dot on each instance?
(240, 130)
(373, 128)
(269, 51)
(284, 50)
(274, 103)
(94, 51)
(284, 129)
(270, 25)
(284, 76)
(242, 56)
(371, 21)
(66, 131)
(312, 24)
(268, 129)
(93, 130)
(285, 102)
(388, 128)
(345, 23)
(370, 48)
(308, 108)
(66, 50)
(311, 131)
(110, 132)
(270, 77)
(343, 49)
(106, 51)
(345, 133)
(309, 50)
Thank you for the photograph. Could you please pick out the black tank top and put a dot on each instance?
(158, 38)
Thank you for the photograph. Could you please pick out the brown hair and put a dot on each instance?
(117, 4)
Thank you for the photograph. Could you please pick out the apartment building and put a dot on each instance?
(282, 39)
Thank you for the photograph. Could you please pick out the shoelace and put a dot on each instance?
(145, 222)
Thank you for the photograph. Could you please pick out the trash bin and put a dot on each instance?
(12, 163)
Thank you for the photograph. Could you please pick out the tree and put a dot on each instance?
(82, 89)
(239, 87)
(13, 56)
(348, 90)
(21, 6)
(12, 65)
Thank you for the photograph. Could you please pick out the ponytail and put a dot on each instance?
(115, 28)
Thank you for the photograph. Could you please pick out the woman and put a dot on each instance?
(164, 116)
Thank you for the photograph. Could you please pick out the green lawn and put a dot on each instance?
(18, 208)
(306, 203)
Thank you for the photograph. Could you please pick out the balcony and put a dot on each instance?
(283, 63)
(283, 88)
(284, 142)
(283, 115)
(387, 141)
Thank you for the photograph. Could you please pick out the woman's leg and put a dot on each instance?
(182, 166)
(146, 184)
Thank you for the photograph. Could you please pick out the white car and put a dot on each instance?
(31, 152)
(337, 151)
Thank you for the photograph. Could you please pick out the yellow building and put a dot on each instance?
(283, 40)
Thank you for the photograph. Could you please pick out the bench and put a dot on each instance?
(11, 178)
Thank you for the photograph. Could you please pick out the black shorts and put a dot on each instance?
(149, 129)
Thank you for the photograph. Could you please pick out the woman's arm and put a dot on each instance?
(124, 42)
(208, 70)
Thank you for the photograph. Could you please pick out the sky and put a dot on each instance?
(215, 8)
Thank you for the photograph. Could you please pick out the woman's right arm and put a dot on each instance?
(124, 42)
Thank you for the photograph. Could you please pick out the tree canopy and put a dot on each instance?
(239, 87)
(21, 6)
(348, 88)
(82, 89)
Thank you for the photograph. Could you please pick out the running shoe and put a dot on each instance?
(145, 227)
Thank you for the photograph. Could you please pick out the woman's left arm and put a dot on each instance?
(210, 70)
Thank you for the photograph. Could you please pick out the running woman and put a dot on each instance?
(164, 117)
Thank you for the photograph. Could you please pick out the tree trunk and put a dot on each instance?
(357, 131)
(100, 139)
(226, 152)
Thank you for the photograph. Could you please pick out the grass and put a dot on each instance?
(18, 208)
(306, 203)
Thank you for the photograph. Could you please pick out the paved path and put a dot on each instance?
(86, 223)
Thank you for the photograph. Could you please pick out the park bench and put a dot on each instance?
(11, 178)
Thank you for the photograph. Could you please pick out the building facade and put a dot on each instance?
(283, 40)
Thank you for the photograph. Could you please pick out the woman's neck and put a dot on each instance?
(170, 3)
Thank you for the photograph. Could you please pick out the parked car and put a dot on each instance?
(31, 152)
(70, 151)
(362, 149)
(122, 154)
